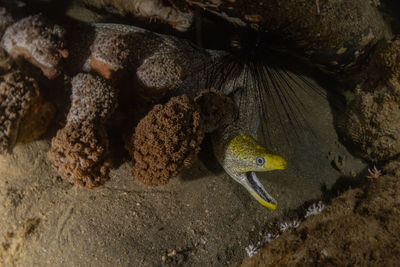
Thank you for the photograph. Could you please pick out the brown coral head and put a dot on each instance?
(38, 41)
(19, 100)
(216, 108)
(93, 99)
(79, 153)
(371, 122)
(385, 62)
(166, 141)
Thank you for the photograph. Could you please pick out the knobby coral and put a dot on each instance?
(39, 41)
(110, 52)
(24, 115)
(158, 74)
(166, 141)
(80, 152)
(216, 108)
(371, 122)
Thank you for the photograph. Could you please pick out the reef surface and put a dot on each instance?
(202, 217)
(360, 227)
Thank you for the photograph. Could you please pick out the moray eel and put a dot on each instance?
(241, 155)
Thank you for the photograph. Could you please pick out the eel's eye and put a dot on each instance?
(260, 161)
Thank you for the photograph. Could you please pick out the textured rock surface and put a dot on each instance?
(372, 120)
(331, 33)
(367, 216)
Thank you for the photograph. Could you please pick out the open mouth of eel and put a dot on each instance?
(256, 189)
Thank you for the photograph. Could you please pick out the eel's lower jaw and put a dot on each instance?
(257, 190)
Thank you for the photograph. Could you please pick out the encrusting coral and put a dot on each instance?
(39, 41)
(110, 53)
(371, 122)
(79, 152)
(158, 74)
(93, 99)
(166, 141)
(24, 115)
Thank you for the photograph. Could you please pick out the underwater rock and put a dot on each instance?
(24, 115)
(166, 141)
(216, 108)
(79, 152)
(5, 20)
(38, 41)
(150, 9)
(372, 120)
(333, 34)
(367, 215)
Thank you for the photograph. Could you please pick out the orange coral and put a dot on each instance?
(79, 152)
(166, 141)
(24, 115)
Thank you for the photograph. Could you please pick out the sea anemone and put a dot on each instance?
(38, 41)
(24, 114)
(79, 152)
(166, 141)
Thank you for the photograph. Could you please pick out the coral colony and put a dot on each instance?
(38, 41)
(96, 57)
(161, 147)
(165, 142)
(80, 149)
(21, 106)
(314, 209)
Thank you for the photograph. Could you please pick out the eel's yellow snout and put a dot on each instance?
(275, 162)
